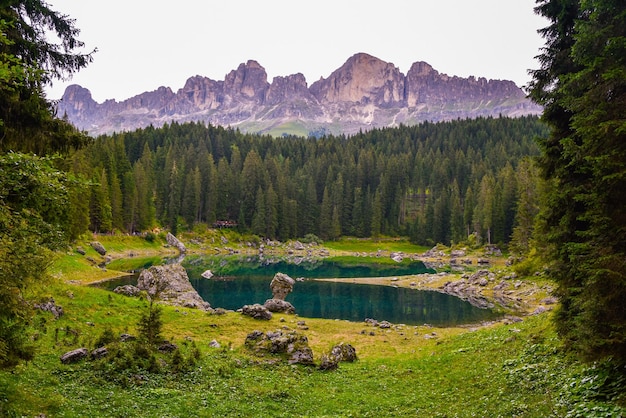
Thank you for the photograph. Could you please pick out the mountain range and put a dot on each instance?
(362, 94)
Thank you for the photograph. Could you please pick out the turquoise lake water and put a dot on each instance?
(246, 280)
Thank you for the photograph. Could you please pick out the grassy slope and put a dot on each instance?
(499, 370)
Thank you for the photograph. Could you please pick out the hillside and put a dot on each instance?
(362, 94)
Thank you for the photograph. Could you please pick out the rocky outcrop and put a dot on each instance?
(127, 290)
(280, 306)
(281, 286)
(294, 346)
(175, 242)
(344, 352)
(362, 79)
(99, 248)
(74, 356)
(257, 311)
(50, 306)
(362, 94)
(170, 283)
(340, 352)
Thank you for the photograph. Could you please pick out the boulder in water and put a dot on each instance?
(281, 286)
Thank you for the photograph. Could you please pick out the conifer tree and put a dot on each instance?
(582, 85)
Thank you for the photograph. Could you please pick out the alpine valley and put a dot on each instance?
(364, 93)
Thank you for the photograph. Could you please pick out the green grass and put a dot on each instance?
(134, 263)
(497, 370)
(372, 246)
(501, 370)
(122, 243)
(351, 260)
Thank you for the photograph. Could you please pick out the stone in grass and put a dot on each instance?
(99, 248)
(344, 352)
(281, 342)
(340, 352)
(279, 305)
(328, 363)
(256, 311)
(127, 290)
(167, 347)
(74, 356)
(51, 306)
(99, 353)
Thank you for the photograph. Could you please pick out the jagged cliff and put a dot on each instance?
(364, 93)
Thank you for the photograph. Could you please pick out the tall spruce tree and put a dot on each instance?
(582, 85)
(28, 62)
(34, 196)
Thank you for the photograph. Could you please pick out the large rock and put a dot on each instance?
(175, 242)
(171, 284)
(99, 248)
(344, 352)
(279, 305)
(99, 353)
(293, 346)
(127, 290)
(340, 352)
(74, 356)
(256, 311)
(281, 286)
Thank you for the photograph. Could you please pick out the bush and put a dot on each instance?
(150, 236)
(107, 337)
(311, 239)
(150, 325)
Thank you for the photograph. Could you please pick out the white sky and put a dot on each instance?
(144, 44)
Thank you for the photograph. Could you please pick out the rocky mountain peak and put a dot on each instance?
(248, 81)
(288, 88)
(365, 92)
(362, 79)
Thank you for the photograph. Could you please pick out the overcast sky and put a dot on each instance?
(144, 44)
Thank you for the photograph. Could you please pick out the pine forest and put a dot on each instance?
(434, 182)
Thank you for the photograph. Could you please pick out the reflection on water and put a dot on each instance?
(354, 302)
(296, 267)
(249, 279)
(244, 281)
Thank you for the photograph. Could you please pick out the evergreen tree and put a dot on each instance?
(484, 210)
(131, 200)
(527, 207)
(210, 190)
(258, 225)
(35, 216)
(457, 230)
(271, 213)
(582, 86)
(117, 203)
(326, 214)
(100, 208)
(28, 62)
(174, 199)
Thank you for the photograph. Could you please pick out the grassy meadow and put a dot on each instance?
(508, 368)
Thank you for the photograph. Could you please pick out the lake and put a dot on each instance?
(242, 281)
